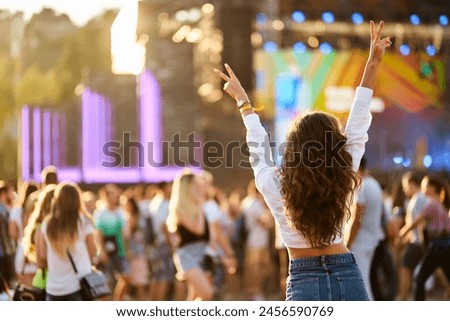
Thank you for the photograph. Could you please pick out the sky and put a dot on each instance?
(79, 11)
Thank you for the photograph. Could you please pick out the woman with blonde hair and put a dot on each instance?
(33, 230)
(68, 230)
(310, 195)
(188, 223)
(18, 219)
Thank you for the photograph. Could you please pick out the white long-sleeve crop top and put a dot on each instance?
(267, 175)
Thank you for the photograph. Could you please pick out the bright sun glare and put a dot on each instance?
(128, 55)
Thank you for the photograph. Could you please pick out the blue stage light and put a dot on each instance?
(357, 18)
(406, 162)
(443, 20)
(414, 19)
(270, 47)
(261, 18)
(298, 16)
(405, 50)
(299, 47)
(427, 161)
(397, 160)
(430, 50)
(326, 48)
(328, 17)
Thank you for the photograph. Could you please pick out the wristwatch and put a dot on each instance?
(241, 102)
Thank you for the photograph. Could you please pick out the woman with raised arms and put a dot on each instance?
(310, 195)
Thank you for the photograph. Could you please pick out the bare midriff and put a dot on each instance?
(339, 248)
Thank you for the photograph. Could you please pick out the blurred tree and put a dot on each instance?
(6, 88)
(55, 57)
(38, 88)
(69, 67)
(88, 49)
(8, 146)
(8, 157)
(95, 46)
(55, 60)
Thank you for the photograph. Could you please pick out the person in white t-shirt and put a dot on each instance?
(366, 231)
(414, 248)
(67, 230)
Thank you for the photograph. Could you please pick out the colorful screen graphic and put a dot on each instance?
(407, 95)
(411, 82)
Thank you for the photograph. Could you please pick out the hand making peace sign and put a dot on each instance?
(377, 45)
(232, 86)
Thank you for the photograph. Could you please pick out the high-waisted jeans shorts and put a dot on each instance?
(325, 278)
(189, 257)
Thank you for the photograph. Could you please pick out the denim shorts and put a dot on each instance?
(76, 296)
(116, 266)
(189, 257)
(161, 263)
(325, 278)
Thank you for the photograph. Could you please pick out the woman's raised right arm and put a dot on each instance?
(360, 117)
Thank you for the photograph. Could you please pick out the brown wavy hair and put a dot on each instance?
(63, 222)
(316, 184)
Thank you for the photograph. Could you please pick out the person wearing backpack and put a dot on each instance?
(366, 231)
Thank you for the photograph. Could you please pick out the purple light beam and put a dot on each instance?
(25, 142)
(37, 153)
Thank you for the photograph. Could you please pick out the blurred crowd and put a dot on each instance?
(134, 237)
